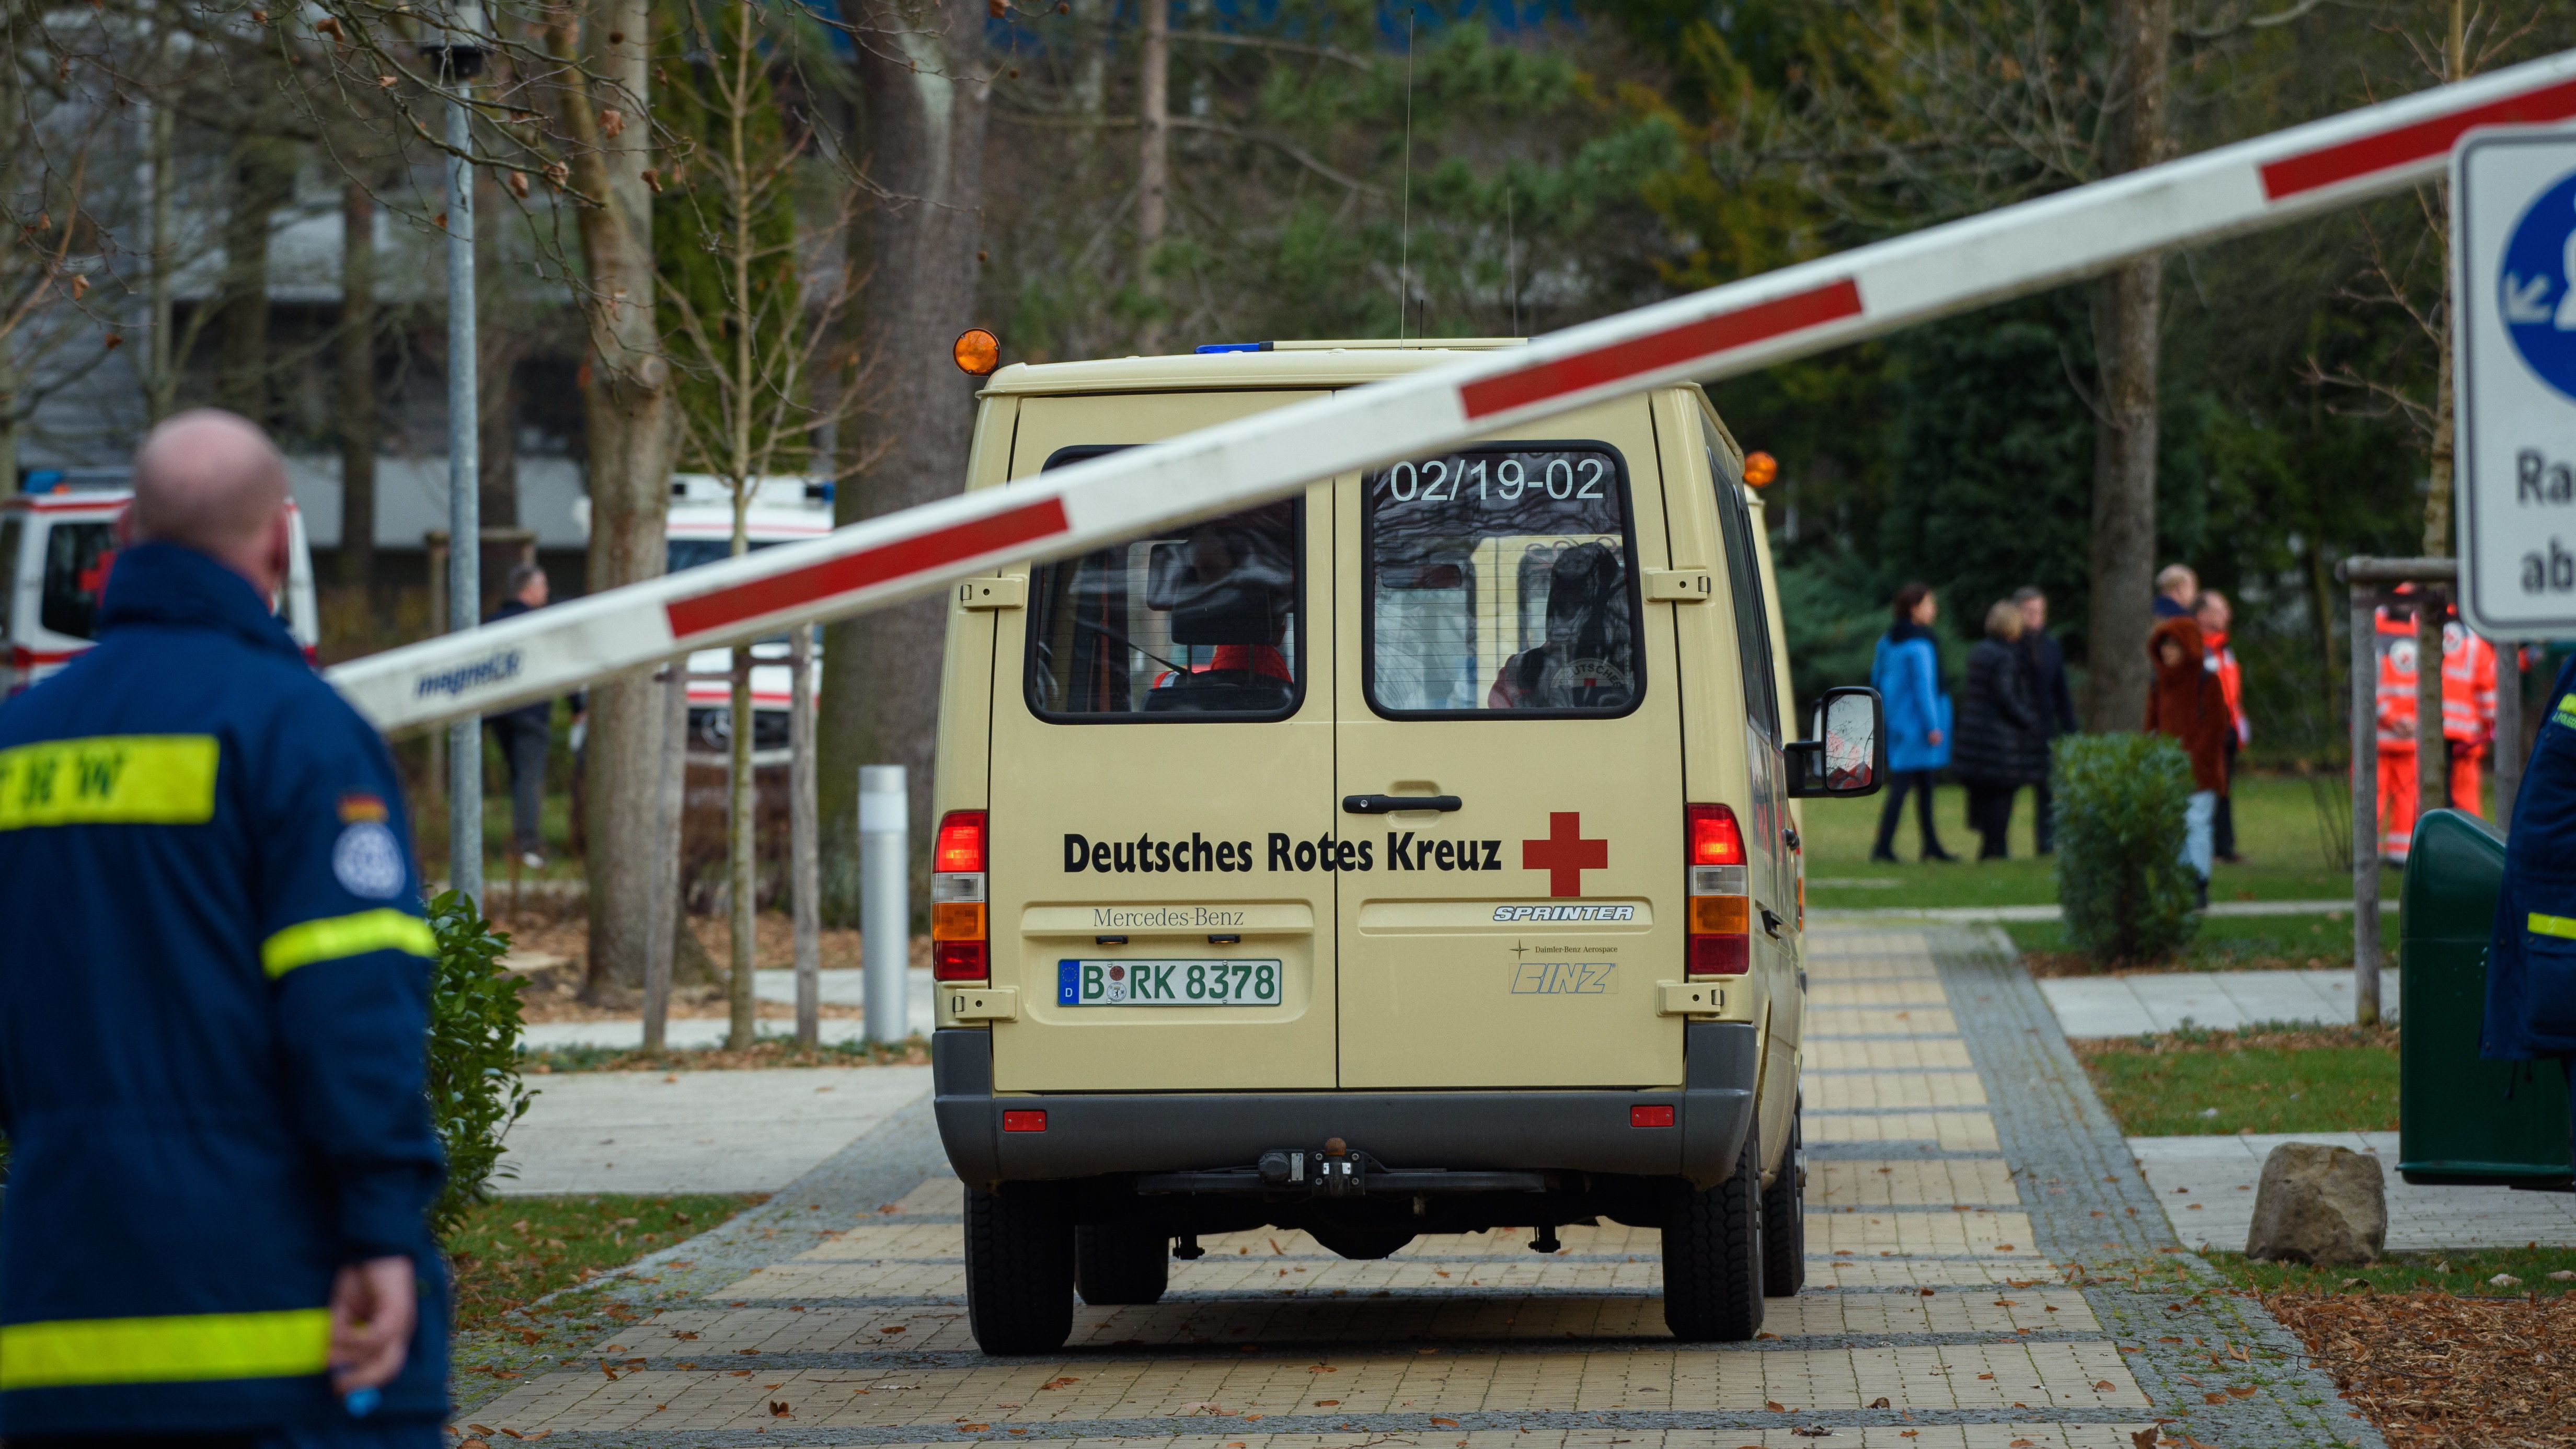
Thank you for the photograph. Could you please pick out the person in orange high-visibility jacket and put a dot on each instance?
(2468, 711)
(2396, 645)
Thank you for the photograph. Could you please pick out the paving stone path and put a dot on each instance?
(1986, 1271)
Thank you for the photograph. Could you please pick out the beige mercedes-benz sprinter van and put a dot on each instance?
(1413, 855)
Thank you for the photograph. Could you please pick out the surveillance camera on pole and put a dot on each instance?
(452, 36)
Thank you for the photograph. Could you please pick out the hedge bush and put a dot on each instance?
(2120, 804)
(475, 1092)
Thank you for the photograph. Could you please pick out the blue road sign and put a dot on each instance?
(2536, 286)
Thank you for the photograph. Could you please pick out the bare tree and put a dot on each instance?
(2127, 309)
(747, 336)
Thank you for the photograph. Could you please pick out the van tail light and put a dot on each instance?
(958, 949)
(1721, 914)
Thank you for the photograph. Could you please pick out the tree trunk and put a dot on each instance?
(263, 176)
(501, 342)
(2432, 750)
(161, 368)
(626, 410)
(1153, 167)
(2126, 306)
(922, 108)
(357, 391)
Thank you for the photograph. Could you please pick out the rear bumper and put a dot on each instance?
(1089, 1134)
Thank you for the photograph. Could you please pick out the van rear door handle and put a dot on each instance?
(1771, 921)
(1389, 804)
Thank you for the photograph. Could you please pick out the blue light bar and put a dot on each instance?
(1232, 347)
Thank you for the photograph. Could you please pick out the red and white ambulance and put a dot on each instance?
(57, 545)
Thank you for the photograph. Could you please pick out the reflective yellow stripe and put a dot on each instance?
(2566, 710)
(285, 1343)
(332, 937)
(2552, 925)
(109, 780)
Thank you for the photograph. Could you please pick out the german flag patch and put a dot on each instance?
(358, 805)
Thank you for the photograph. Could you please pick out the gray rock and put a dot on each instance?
(2319, 1204)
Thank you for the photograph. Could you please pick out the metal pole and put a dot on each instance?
(885, 904)
(804, 866)
(662, 939)
(464, 485)
(2507, 764)
(2365, 808)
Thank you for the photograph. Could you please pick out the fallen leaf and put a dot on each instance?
(1879, 1403)
(1988, 1376)
(778, 1409)
(898, 1328)
(2244, 1391)
(1445, 1423)
(1774, 1406)
(682, 1333)
(1328, 1403)
(2144, 1438)
(2105, 1385)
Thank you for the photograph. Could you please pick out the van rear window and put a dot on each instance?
(1193, 623)
(1502, 580)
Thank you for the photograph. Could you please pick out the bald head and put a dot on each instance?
(212, 481)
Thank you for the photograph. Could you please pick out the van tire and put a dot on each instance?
(1713, 1255)
(1115, 1264)
(1784, 1215)
(1019, 1269)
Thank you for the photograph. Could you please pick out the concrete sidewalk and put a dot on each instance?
(839, 988)
(2206, 1185)
(2161, 1001)
(729, 1131)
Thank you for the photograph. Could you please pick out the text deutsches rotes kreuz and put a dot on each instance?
(1149, 854)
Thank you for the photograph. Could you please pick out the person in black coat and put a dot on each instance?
(2001, 744)
(2044, 666)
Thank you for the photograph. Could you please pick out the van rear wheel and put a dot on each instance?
(1713, 1255)
(1784, 1216)
(1116, 1264)
(1019, 1269)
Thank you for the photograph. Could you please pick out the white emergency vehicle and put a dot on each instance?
(783, 510)
(57, 545)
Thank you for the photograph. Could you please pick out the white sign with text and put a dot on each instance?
(2513, 252)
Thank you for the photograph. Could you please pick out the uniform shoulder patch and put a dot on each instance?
(368, 860)
(357, 805)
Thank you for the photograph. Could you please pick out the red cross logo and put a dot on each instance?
(1565, 855)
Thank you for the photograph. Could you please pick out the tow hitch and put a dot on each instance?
(1335, 1170)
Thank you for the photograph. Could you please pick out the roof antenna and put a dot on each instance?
(1404, 246)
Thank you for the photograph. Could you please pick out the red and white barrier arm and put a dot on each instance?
(1723, 331)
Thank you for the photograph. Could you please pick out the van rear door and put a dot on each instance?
(1510, 765)
(1162, 770)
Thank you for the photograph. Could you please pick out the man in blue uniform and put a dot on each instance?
(2531, 960)
(213, 1012)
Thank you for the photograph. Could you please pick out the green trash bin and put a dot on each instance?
(2461, 1117)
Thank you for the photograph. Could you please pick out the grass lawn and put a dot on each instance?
(2267, 1079)
(2223, 943)
(514, 1251)
(2280, 830)
(767, 1052)
(2466, 1273)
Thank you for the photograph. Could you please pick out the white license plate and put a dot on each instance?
(1230, 982)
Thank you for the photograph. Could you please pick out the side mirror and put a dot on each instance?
(1849, 754)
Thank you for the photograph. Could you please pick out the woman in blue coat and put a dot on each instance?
(1907, 676)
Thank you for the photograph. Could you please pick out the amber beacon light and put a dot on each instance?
(977, 352)
(1759, 468)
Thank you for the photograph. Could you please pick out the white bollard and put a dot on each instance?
(885, 901)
